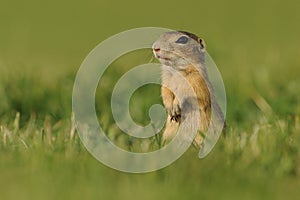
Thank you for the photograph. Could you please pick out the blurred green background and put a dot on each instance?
(256, 46)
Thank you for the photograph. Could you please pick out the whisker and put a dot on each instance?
(151, 57)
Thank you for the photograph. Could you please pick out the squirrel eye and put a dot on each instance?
(182, 40)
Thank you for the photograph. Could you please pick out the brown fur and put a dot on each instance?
(175, 69)
(198, 83)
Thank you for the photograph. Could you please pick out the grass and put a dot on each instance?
(255, 47)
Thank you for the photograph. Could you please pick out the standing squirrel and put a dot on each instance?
(182, 55)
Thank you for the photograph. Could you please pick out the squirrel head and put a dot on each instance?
(178, 49)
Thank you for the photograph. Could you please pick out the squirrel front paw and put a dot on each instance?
(175, 111)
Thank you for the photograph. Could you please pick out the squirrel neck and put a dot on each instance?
(190, 69)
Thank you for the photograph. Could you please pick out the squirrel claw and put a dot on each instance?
(175, 118)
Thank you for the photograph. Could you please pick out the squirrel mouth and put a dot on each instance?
(161, 58)
(158, 55)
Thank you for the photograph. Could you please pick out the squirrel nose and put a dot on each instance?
(156, 49)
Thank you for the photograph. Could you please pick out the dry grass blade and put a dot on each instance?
(262, 103)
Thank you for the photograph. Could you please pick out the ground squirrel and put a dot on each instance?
(182, 54)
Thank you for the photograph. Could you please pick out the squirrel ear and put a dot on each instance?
(201, 43)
